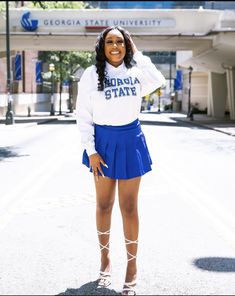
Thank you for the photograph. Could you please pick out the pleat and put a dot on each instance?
(144, 158)
(121, 159)
(85, 159)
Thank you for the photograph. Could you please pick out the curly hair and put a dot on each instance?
(100, 55)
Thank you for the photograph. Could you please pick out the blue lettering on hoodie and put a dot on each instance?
(117, 87)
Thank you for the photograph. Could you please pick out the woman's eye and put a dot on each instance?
(111, 42)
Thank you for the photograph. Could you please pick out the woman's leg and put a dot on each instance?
(128, 202)
(105, 195)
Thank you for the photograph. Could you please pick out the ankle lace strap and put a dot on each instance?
(128, 242)
(105, 232)
(104, 247)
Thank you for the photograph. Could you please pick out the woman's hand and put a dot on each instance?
(133, 46)
(95, 161)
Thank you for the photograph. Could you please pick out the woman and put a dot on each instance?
(108, 106)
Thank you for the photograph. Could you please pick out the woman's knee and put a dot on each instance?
(128, 206)
(104, 206)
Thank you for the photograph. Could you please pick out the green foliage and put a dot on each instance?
(67, 62)
(11, 4)
(57, 4)
(47, 4)
(2, 6)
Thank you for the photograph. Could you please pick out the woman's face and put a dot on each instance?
(114, 47)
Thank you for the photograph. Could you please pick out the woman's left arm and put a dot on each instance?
(150, 78)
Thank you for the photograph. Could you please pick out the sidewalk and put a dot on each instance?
(223, 125)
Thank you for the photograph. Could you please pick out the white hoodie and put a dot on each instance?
(120, 101)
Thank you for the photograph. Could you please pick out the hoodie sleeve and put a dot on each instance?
(150, 77)
(84, 113)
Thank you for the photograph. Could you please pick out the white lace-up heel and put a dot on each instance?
(104, 279)
(129, 287)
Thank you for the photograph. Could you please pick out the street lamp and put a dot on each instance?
(60, 60)
(71, 79)
(9, 113)
(52, 69)
(189, 91)
(159, 100)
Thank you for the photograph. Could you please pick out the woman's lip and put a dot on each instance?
(114, 52)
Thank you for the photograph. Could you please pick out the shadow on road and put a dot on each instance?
(60, 121)
(218, 264)
(89, 289)
(177, 123)
(8, 152)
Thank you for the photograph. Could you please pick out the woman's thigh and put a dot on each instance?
(105, 191)
(128, 193)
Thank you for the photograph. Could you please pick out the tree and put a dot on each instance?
(48, 4)
(67, 62)
(59, 4)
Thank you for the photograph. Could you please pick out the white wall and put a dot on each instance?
(199, 90)
(36, 102)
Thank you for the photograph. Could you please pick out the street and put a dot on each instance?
(48, 241)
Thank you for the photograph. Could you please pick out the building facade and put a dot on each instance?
(172, 46)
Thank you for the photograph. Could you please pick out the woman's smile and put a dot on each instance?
(115, 52)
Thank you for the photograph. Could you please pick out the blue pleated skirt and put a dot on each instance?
(123, 148)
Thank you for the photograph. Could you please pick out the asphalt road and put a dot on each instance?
(48, 242)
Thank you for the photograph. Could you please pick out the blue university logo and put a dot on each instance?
(27, 23)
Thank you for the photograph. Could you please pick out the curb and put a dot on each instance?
(46, 121)
(193, 122)
(22, 122)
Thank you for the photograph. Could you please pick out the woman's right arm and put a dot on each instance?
(85, 122)
(84, 113)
